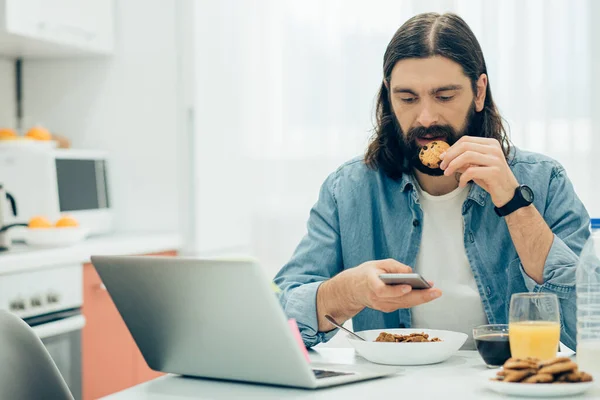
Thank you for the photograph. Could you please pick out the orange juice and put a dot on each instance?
(538, 339)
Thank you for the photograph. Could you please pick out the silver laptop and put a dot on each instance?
(213, 318)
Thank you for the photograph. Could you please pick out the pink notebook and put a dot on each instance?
(296, 332)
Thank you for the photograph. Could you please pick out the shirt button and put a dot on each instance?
(471, 238)
(416, 222)
(489, 291)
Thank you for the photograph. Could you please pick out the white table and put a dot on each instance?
(460, 377)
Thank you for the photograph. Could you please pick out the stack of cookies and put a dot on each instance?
(531, 370)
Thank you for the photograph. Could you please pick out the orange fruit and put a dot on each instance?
(39, 133)
(66, 222)
(39, 222)
(7, 133)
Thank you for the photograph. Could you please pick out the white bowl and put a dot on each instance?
(408, 353)
(55, 237)
(29, 144)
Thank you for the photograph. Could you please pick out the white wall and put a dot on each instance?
(7, 93)
(285, 93)
(126, 104)
(221, 170)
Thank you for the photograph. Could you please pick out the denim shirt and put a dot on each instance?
(363, 215)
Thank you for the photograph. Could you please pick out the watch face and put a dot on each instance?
(527, 193)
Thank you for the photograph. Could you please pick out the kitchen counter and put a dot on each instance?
(22, 257)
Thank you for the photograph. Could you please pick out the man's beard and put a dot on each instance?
(445, 133)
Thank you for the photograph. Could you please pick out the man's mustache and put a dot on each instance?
(436, 131)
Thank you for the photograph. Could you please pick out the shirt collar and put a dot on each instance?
(476, 193)
(407, 182)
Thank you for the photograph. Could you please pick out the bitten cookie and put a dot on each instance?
(430, 153)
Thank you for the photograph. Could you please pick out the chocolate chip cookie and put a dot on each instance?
(539, 378)
(559, 368)
(430, 153)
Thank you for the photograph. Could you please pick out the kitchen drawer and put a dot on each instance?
(111, 359)
(107, 345)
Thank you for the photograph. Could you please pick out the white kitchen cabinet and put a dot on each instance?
(50, 28)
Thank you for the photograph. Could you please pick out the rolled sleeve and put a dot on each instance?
(559, 271)
(301, 304)
(317, 258)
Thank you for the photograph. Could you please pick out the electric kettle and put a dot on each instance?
(5, 209)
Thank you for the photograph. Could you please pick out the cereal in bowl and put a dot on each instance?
(410, 338)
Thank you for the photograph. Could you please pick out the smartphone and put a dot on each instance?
(413, 280)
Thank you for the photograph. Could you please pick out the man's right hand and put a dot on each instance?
(348, 293)
(370, 291)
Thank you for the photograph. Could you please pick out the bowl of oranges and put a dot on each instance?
(36, 136)
(66, 231)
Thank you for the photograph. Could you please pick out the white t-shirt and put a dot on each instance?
(442, 259)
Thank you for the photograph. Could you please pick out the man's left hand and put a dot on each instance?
(482, 161)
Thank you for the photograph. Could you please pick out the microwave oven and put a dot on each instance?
(56, 182)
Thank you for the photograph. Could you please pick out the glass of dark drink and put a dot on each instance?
(492, 344)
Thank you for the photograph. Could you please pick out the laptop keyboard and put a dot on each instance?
(321, 373)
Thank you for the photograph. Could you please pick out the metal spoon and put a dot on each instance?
(328, 318)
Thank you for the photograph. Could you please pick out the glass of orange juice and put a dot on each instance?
(534, 325)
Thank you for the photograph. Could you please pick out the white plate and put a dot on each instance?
(408, 353)
(55, 237)
(535, 389)
(29, 143)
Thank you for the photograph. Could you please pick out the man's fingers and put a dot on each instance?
(480, 140)
(411, 299)
(460, 148)
(393, 267)
(382, 290)
(469, 158)
(393, 291)
(417, 297)
(473, 173)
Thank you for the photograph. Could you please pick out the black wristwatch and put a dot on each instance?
(522, 198)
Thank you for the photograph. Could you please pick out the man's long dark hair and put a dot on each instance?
(423, 36)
